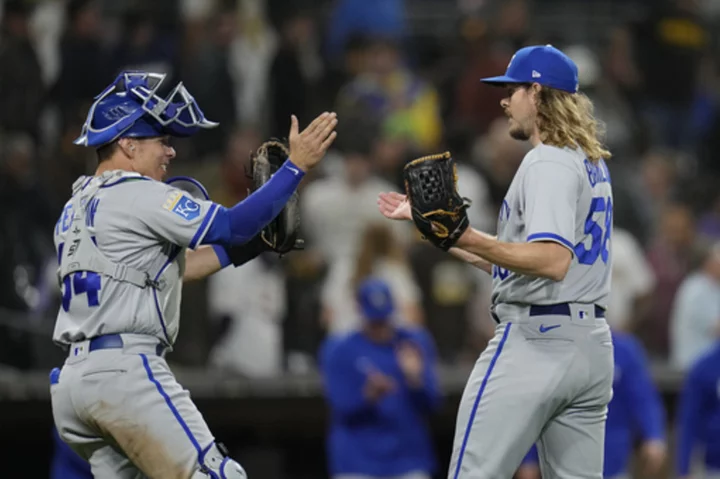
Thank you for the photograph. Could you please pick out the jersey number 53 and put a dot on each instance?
(600, 236)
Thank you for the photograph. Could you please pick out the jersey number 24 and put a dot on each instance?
(600, 236)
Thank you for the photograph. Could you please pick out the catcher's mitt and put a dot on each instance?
(438, 210)
(281, 234)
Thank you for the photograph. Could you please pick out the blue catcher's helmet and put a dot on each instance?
(130, 107)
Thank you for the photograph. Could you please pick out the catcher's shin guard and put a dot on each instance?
(216, 464)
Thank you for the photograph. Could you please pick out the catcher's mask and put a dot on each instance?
(131, 107)
(190, 185)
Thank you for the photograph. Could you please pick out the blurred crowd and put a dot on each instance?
(403, 77)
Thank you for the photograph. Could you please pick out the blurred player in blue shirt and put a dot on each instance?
(66, 463)
(381, 387)
(636, 409)
(699, 417)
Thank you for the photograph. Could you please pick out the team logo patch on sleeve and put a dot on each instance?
(182, 205)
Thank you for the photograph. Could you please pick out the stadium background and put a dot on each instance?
(402, 75)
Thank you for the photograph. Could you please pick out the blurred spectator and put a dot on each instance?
(709, 222)
(659, 177)
(26, 248)
(670, 46)
(381, 387)
(251, 303)
(635, 412)
(511, 24)
(370, 18)
(335, 210)
(21, 85)
(67, 162)
(66, 463)
(84, 64)
(698, 419)
(206, 72)
(395, 97)
(448, 286)
(642, 191)
(498, 156)
(633, 282)
(46, 27)
(475, 105)
(611, 108)
(672, 254)
(250, 59)
(296, 71)
(143, 46)
(233, 178)
(695, 320)
(380, 256)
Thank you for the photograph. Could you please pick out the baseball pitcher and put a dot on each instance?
(126, 241)
(546, 376)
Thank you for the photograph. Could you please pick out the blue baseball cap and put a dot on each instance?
(375, 300)
(545, 65)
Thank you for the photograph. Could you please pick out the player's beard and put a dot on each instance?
(518, 132)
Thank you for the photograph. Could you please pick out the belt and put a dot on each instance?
(115, 341)
(560, 309)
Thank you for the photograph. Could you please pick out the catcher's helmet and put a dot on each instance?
(130, 107)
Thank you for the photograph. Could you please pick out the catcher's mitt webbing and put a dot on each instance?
(438, 210)
(280, 235)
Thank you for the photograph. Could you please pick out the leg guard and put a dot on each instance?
(216, 464)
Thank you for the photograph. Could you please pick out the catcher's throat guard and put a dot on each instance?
(438, 210)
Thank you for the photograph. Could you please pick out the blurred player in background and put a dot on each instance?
(635, 412)
(381, 386)
(66, 464)
(126, 241)
(698, 419)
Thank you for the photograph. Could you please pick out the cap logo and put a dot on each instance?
(377, 299)
(117, 112)
(511, 60)
(536, 74)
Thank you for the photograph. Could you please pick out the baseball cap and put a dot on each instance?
(375, 300)
(543, 64)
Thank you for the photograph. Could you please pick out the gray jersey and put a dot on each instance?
(136, 223)
(558, 195)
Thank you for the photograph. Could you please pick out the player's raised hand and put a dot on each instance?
(411, 363)
(394, 206)
(308, 147)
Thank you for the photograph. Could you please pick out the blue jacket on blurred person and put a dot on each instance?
(381, 387)
(66, 463)
(698, 418)
(635, 411)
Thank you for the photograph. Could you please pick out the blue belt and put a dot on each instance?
(560, 309)
(106, 341)
(115, 341)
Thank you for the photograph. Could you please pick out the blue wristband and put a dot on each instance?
(222, 255)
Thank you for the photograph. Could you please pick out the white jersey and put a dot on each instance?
(559, 195)
(138, 226)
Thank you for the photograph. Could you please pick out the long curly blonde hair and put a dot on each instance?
(567, 120)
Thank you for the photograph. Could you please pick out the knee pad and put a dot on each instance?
(216, 464)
